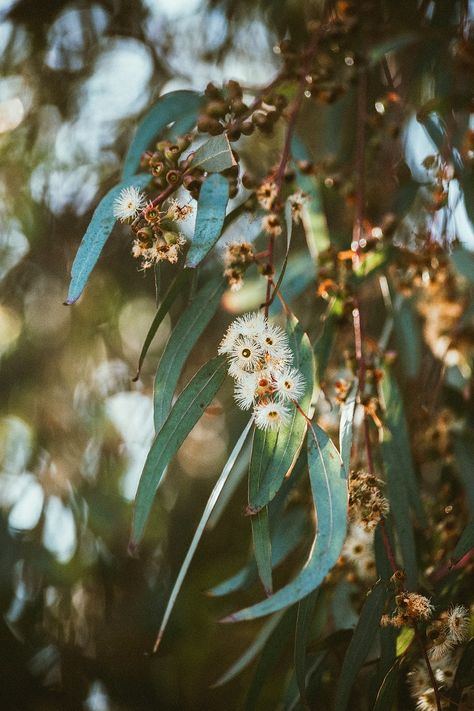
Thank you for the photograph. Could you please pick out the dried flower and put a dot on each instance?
(366, 502)
(297, 202)
(128, 204)
(178, 212)
(458, 624)
(271, 225)
(266, 194)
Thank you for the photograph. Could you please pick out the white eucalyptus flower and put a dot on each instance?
(246, 355)
(245, 389)
(128, 204)
(271, 415)
(289, 384)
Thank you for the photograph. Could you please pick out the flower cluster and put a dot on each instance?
(260, 361)
(366, 502)
(238, 256)
(446, 635)
(358, 550)
(157, 238)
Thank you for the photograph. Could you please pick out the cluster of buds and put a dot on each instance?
(168, 168)
(260, 361)
(238, 256)
(367, 504)
(225, 110)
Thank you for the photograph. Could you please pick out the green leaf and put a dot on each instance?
(395, 421)
(323, 346)
(465, 543)
(214, 156)
(289, 231)
(262, 547)
(272, 651)
(185, 334)
(395, 43)
(329, 489)
(304, 617)
(387, 694)
(169, 298)
(290, 530)
(464, 455)
(404, 639)
(210, 217)
(407, 334)
(229, 465)
(465, 670)
(96, 236)
(251, 652)
(187, 410)
(463, 260)
(360, 644)
(400, 506)
(168, 108)
(345, 425)
(275, 452)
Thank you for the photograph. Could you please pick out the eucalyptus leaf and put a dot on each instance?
(360, 644)
(169, 107)
(185, 334)
(211, 210)
(345, 424)
(465, 543)
(329, 489)
(306, 608)
(187, 410)
(96, 236)
(214, 156)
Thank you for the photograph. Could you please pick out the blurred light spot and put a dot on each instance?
(134, 321)
(132, 415)
(349, 61)
(110, 376)
(174, 9)
(13, 247)
(12, 113)
(72, 34)
(45, 315)
(379, 107)
(16, 441)
(63, 187)
(376, 232)
(98, 699)
(59, 533)
(26, 513)
(205, 448)
(10, 328)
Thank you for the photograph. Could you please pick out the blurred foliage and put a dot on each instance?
(79, 614)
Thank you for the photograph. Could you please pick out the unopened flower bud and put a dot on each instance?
(173, 177)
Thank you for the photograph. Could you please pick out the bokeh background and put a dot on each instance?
(78, 614)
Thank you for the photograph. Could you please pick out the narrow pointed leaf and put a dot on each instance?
(262, 547)
(252, 652)
(387, 693)
(271, 653)
(290, 530)
(396, 423)
(400, 506)
(303, 627)
(407, 334)
(464, 456)
(171, 295)
(180, 344)
(200, 529)
(465, 543)
(360, 644)
(96, 236)
(168, 108)
(345, 425)
(215, 155)
(278, 450)
(210, 218)
(187, 410)
(329, 489)
(289, 231)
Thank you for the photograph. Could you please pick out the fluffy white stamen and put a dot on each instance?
(289, 384)
(128, 204)
(271, 415)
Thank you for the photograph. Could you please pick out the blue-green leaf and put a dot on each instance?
(329, 489)
(463, 260)
(171, 295)
(219, 485)
(168, 108)
(387, 693)
(345, 425)
(251, 652)
(187, 410)
(290, 530)
(214, 156)
(464, 455)
(360, 644)
(96, 236)
(304, 617)
(395, 421)
(407, 334)
(278, 450)
(262, 547)
(185, 334)
(465, 543)
(211, 208)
